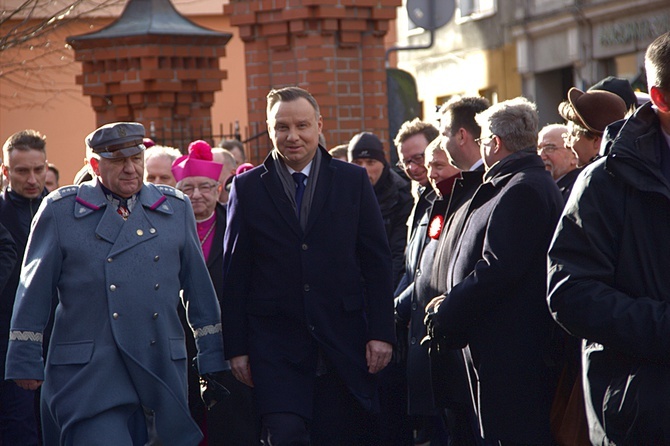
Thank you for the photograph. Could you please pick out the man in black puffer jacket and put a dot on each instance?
(608, 281)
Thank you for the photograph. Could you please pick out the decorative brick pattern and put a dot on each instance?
(333, 48)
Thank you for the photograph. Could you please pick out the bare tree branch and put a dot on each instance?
(33, 48)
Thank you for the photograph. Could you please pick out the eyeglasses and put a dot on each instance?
(548, 148)
(418, 159)
(204, 188)
(483, 140)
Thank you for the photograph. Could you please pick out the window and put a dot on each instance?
(467, 10)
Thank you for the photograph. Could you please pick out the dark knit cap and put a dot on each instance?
(618, 86)
(366, 145)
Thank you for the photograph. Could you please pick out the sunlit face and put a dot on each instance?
(439, 167)
(488, 145)
(294, 129)
(412, 158)
(450, 144)
(123, 176)
(203, 193)
(158, 170)
(557, 159)
(375, 168)
(26, 171)
(51, 182)
(584, 145)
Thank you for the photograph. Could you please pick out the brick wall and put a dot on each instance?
(333, 48)
(167, 86)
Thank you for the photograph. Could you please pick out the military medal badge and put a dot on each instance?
(435, 227)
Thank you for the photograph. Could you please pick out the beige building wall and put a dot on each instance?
(44, 96)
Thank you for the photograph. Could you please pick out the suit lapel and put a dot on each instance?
(321, 192)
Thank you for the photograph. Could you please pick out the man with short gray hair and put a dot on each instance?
(494, 300)
(157, 164)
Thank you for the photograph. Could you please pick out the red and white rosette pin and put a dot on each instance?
(435, 227)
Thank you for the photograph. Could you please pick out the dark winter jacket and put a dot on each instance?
(609, 284)
(395, 201)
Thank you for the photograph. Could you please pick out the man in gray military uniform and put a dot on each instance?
(117, 251)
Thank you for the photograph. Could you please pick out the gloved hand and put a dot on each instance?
(212, 389)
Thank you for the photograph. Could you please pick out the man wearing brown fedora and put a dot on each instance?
(587, 114)
(608, 280)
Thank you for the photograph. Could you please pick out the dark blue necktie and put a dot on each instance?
(299, 179)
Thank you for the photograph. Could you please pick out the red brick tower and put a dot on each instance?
(333, 48)
(154, 66)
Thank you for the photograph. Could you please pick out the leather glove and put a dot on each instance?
(212, 389)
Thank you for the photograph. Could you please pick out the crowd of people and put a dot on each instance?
(502, 284)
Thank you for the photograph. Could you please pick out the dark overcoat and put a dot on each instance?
(117, 339)
(289, 293)
(609, 284)
(495, 300)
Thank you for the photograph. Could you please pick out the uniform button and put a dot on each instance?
(414, 306)
(311, 327)
(152, 230)
(112, 287)
(156, 286)
(413, 340)
(418, 272)
(156, 259)
(155, 316)
(305, 247)
(115, 315)
(110, 260)
(306, 287)
(140, 232)
(152, 342)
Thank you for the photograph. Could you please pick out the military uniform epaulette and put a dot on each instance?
(64, 192)
(171, 191)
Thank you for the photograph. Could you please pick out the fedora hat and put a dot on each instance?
(596, 109)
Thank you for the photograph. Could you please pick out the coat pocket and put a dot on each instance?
(177, 349)
(70, 353)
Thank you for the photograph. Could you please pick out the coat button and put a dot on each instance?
(112, 287)
(418, 272)
(140, 232)
(156, 286)
(115, 315)
(305, 247)
(110, 260)
(306, 287)
(155, 316)
(413, 340)
(152, 342)
(414, 306)
(156, 259)
(152, 230)
(311, 328)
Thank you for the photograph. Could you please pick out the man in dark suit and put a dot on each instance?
(451, 386)
(307, 294)
(494, 301)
